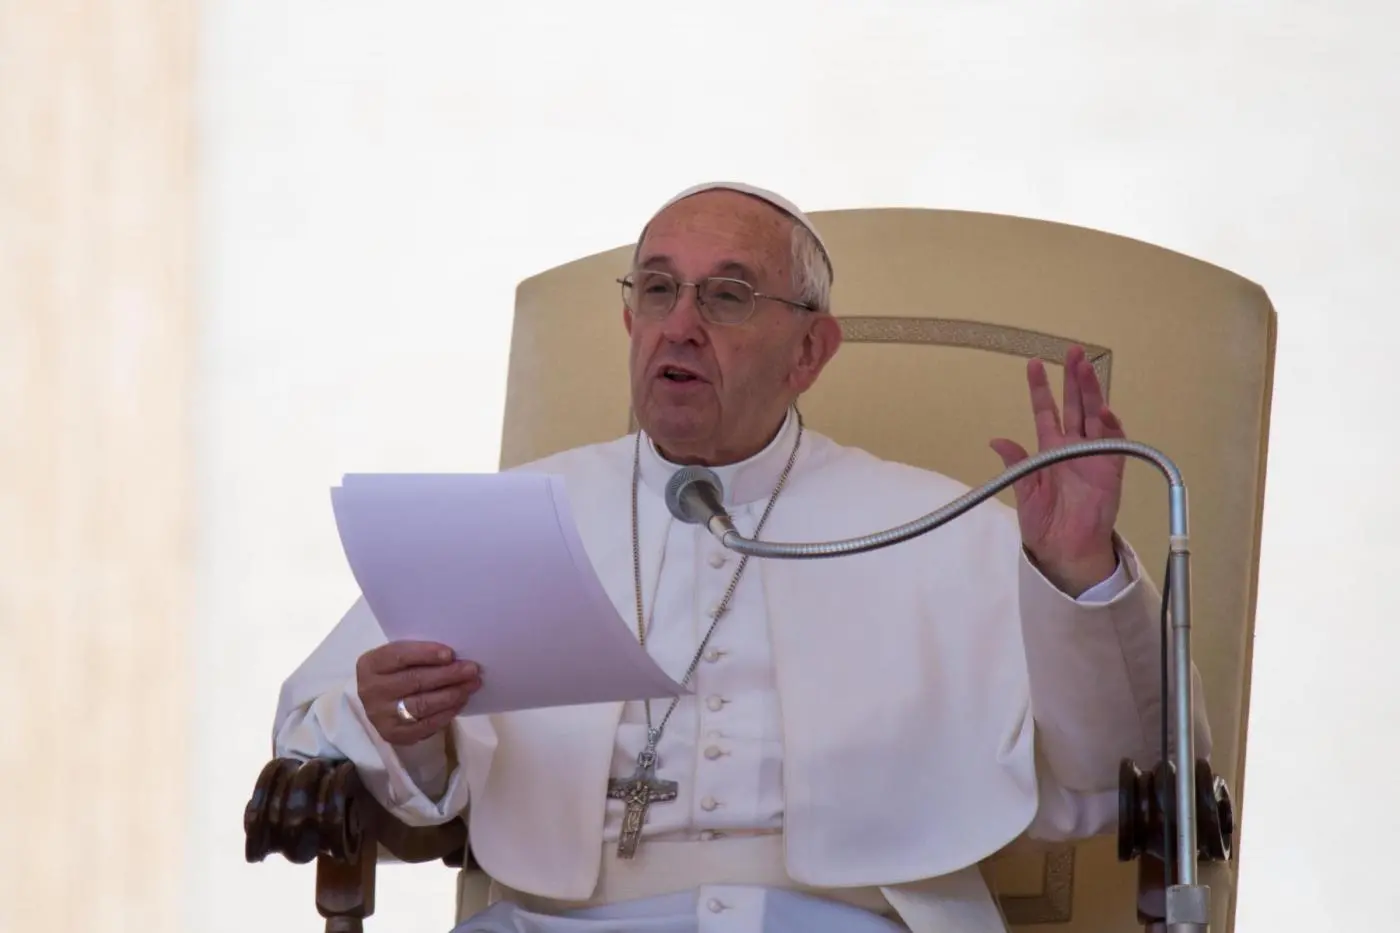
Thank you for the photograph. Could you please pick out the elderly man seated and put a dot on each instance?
(863, 731)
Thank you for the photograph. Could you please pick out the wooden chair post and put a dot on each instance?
(345, 892)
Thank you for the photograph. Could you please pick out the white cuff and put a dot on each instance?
(1106, 591)
(419, 785)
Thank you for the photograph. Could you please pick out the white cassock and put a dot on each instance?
(864, 729)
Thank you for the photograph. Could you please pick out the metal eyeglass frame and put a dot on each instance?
(705, 310)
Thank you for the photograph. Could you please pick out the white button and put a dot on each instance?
(713, 752)
(717, 560)
(715, 704)
(715, 905)
(709, 803)
(714, 734)
(713, 655)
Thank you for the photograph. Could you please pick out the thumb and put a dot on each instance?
(1010, 452)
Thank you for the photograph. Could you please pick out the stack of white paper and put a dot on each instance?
(492, 566)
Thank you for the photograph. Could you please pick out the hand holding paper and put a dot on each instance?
(429, 680)
(492, 566)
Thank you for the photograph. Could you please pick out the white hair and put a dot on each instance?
(811, 275)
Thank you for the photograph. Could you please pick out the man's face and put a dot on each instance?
(715, 393)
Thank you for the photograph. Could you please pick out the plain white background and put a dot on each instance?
(378, 176)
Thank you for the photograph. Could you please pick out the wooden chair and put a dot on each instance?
(940, 309)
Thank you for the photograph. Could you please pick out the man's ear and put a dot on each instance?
(627, 320)
(819, 345)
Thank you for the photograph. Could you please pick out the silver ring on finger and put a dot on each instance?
(404, 715)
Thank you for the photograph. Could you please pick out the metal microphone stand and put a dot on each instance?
(1187, 900)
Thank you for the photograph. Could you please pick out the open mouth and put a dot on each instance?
(676, 374)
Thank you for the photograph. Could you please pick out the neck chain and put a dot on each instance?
(643, 788)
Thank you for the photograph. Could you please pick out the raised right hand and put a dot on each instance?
(431, 682)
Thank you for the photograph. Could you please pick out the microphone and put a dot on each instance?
(694, 496)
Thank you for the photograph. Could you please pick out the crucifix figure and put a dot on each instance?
(640, 791)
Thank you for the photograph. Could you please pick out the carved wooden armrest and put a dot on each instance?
(318, 809)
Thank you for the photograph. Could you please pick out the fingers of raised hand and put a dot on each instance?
(1090, 390)
(1106, 425)
(1043, 407)
(1075, 392)
(1099, 421)
(1086, 412)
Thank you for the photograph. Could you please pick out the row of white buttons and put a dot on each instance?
(713, 703)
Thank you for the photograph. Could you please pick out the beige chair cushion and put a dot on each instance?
(941, 309)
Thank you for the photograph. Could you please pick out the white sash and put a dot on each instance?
(956, 903)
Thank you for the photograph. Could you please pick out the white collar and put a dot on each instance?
(745, 482)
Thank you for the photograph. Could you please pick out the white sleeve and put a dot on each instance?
(1095, 671)
(1068, 816)
(319, 715)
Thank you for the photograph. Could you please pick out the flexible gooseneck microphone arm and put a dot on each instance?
(1187, 901)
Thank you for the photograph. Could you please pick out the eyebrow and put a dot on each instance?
(728, 269)
(738, 270)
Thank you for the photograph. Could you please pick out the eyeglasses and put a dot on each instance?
(721, 300)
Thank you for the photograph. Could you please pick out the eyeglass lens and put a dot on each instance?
(655, 293)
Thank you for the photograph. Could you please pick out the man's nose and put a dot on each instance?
(685, 322)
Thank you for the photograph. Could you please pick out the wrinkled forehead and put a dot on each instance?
(715, 227)
(724, 222)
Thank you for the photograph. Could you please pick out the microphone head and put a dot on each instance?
(680, 489)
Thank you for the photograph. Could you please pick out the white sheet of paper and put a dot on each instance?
(492, 566)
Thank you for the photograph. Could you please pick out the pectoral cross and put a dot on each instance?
(640, 791)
